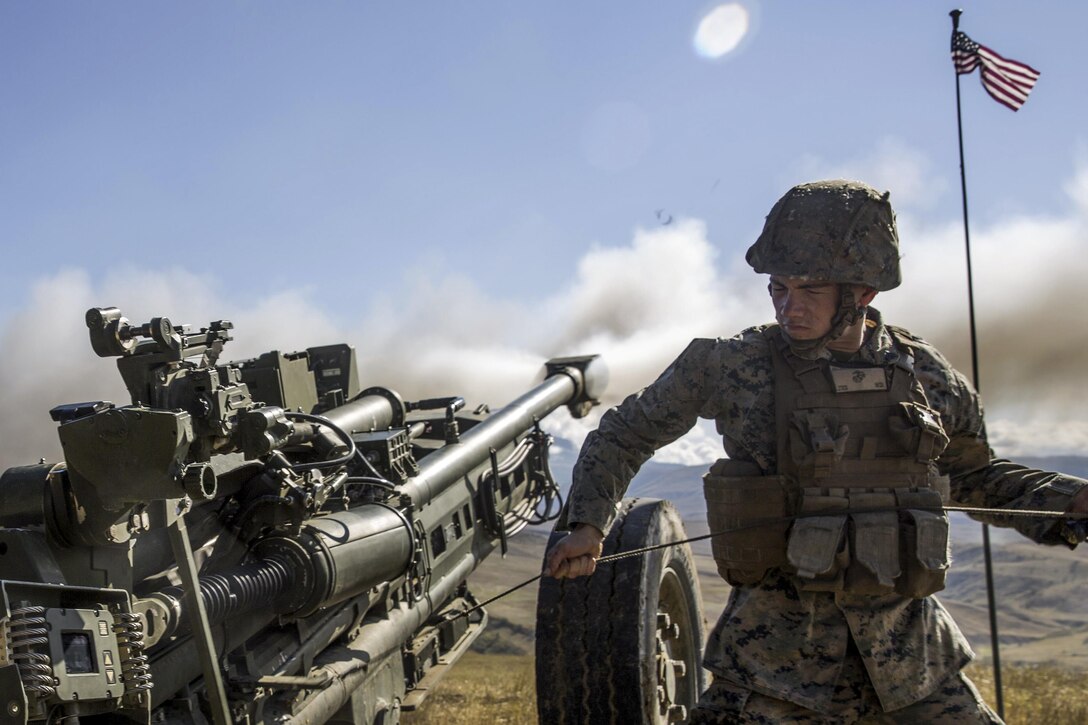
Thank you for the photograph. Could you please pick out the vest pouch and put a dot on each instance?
(941, 484)
(925, 552)
(817, 439)
(874, 533)
(817, 548)
(751, 510)
(918, 430)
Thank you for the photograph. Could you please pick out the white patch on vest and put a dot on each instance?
(856, 380)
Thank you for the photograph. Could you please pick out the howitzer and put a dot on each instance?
(258, 541)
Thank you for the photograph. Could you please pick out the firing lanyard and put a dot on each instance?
(1022, 513)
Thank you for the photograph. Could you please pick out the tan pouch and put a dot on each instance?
(817, 548)
(750, 511)
(817, 438)
(926, 555)
(875, 543)
(918, 430)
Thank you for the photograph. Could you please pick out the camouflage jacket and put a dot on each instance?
(771, 637)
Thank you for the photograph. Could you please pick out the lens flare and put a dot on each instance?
(721, 30)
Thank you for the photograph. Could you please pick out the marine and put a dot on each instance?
(849, 434)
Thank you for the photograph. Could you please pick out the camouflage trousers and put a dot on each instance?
(855, 701)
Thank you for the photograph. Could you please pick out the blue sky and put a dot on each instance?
(488, 181)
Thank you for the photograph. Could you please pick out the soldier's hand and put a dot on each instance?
(576, 553)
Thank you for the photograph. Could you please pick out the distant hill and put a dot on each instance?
(1073, 465)
(1042, 591)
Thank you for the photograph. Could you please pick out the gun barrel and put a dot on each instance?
(378, 411)
(342, 554)
(573, 383)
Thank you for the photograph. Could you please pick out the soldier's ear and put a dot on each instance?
(866, 296)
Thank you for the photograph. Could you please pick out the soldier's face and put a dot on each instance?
(804, 307)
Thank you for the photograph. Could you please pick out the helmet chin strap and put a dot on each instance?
(848, 313)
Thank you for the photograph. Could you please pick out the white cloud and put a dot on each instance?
(1037, 436)
(640, 304)
(637, 304)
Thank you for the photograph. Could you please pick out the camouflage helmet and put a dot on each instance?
(836, 231)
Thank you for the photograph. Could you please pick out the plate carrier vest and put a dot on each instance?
(855, 505)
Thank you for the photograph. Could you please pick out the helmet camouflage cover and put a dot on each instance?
(836, 231)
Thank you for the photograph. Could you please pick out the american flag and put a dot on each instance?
(1007, 81)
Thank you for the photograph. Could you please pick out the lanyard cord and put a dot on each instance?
(1024, 513)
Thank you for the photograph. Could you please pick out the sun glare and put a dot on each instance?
(721, 30)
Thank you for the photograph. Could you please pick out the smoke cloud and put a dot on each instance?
(637, 304)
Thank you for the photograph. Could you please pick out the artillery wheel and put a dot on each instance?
(623, 645)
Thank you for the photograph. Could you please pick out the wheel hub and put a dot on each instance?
(669, 670)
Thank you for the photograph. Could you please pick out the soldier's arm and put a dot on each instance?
(626, 437)
(631, 432)
(713, 379)
(1004, 484)
(978, 478)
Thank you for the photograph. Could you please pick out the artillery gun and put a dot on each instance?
(258, 541)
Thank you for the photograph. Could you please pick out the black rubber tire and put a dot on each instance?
(603, 653)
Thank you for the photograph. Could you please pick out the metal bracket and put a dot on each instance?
(173, 512)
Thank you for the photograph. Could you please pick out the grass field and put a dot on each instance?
(499, 688)
(482, 688)
(1036, 695)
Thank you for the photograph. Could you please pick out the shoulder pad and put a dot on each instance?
(902, 334)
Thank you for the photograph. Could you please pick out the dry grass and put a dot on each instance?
(481, 688)
(490, 688)
(1036, 695)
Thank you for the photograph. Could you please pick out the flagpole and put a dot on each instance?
(995, 646)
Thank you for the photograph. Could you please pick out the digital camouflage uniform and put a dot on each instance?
(844, 655)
